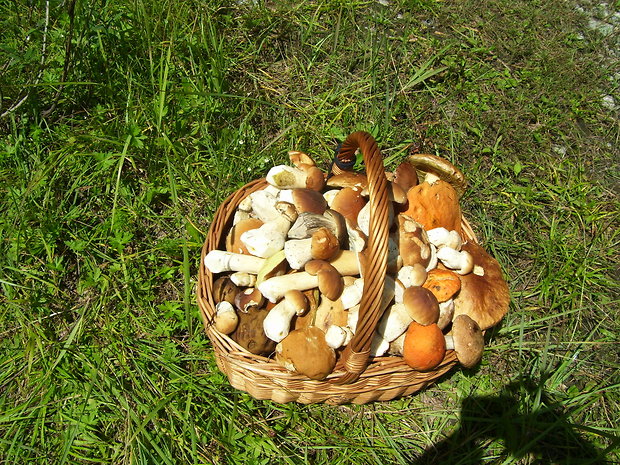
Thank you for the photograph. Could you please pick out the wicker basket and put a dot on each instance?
(357, 378)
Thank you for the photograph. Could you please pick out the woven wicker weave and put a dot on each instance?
(357, 378)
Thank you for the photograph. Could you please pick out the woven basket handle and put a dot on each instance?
(355, 357)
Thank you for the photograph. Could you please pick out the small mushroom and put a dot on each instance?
(441, 237)
(306, 352)
(330, 282)
(406, 176)
(233, 238)
(277, 324)
(413, 242)
(243, 279)
(338, 336)
(421, 305)
(467, 341)
(270, 237)
(226, 318)
(462, 262)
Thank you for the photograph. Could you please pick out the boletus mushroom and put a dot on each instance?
(306, 352)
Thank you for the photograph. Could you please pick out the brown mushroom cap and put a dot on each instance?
(348, 202)
(421, 305)
(308, 200)
(250, 334)
(233, 239)
(224, 290)
(348, 179)
(484, 298)
(331, 283)
(306, 352)
(424, 347)
(406, 176)
(442, 283)
(435, 205)
(324, 244)
(468, 340)
(249, 298)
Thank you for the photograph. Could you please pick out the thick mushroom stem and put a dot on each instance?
(462, 262)
(274, 288)
(264, 205)
(394, 322)
(219, 261)
(269, 238)
(277, 323)
(338, 336)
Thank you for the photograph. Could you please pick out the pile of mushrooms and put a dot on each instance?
(290, 281)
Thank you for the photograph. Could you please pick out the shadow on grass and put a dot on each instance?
(540, 435)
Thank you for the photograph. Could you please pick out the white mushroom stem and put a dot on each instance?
(379, 346)
(352, 317)
(394, 322)
(219, 261)
(338, 336)
(462, 262)
(267, 239)
(274, 288)
(441, 237)
(432, 264)
(277, 323)
(449, 342)
(243, 279)
(412, 275)
(351, 295)
(264, 205)
(286, 177)
(298, 252)
(363, 217)
(347, 262)
(446, 312)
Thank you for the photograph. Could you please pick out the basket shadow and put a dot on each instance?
(540, 435)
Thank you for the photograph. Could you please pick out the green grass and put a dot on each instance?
(125, 124)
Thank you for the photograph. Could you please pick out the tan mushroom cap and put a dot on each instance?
(233, 239)
(435, 205)
(442, 283)
(309, 200)
(348, 179)
(468, 340)
(484, 298)
(306, 352)
(421, 305)
(424, 347)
